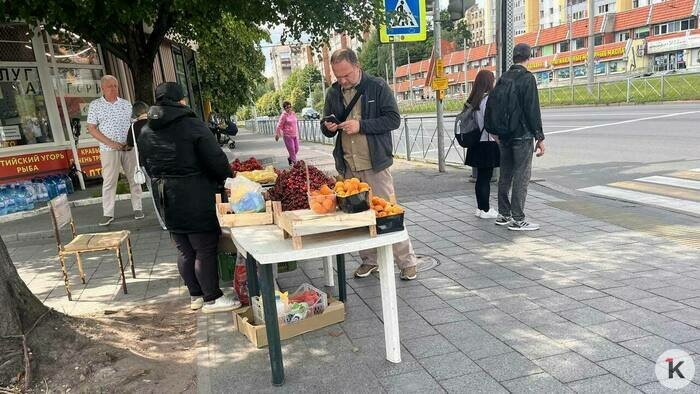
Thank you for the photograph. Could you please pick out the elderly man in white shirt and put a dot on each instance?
(109, 122)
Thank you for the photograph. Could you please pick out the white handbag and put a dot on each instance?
(139, 176)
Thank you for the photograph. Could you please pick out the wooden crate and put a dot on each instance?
(230, 219)
(301, 223)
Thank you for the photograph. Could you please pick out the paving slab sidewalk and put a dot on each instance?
(581, 305)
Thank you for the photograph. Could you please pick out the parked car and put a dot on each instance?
(310, 113)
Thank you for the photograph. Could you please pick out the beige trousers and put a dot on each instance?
(112, 163)
(382, 185)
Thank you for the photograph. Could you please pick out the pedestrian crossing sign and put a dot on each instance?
(404, 21)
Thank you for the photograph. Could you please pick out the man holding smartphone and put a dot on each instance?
(361, 110)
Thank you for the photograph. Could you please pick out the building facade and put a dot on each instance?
(660, 37)
(46, 85)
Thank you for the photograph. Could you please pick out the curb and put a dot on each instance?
(73, 204)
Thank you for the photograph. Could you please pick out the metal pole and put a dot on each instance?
(408, 139)
(629, 82)
(386, 72)
(591, 44)
(571, 52)
(411, 96)
(663, 87)
(393, 69)
(465, 66)
(438, 101)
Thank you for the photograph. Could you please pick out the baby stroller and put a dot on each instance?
(229, 132)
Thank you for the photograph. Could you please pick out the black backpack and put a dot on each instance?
(503, 115)
(467, 130)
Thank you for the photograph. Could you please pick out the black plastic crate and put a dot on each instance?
(356, 203)
(390, 224)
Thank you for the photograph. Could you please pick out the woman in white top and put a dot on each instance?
(485, 156)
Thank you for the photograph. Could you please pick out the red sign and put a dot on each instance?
(42, 163)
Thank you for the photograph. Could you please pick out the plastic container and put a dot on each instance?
(323, 203)
(293, 314)
(355, 203)
(390, 224)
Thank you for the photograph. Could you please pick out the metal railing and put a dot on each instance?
(415, 139)
(667, 87)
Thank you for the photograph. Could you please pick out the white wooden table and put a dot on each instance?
(266, 246)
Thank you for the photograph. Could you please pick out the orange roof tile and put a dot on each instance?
(527, 38)
(631, 19)
(672, 10)
(553, 35)
(580, 27)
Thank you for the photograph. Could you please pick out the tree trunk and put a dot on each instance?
(142, 72)
(19, 309)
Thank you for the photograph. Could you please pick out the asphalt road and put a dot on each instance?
(594, 145)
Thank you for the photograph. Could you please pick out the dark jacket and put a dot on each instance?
(526, 89)
(181, 155)
(138, 125)
(380, 115)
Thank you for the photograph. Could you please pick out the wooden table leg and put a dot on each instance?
(328, 271)
(271, 324)
(252, 276)
(390, 309)
(342, 285)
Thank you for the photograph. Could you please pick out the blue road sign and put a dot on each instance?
(405, 20)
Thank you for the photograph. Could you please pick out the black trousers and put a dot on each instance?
(482, 187)
(197, 263)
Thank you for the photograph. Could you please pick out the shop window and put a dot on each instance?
(599, 69)
(563, 73)
(579, 71)
(615, 67)
(16, 43)
(181, 74)
(78, 87)
(70, 48)
(23, 116)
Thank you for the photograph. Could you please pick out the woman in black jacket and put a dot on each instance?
(187, 165)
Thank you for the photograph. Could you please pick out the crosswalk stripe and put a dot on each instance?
(692, 175)
(663, 190)
(664, 180)
(645, 198)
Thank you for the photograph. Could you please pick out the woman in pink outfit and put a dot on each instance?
(288, 129)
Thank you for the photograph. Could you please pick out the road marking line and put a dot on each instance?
(623, 122)
(545, 114)
(692, 175)
(658, 189)
(664, 180)
(645, 198)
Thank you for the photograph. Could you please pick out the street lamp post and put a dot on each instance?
(411, 94)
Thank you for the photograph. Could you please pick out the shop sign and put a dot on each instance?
(25, 78)
(24, 166)
(9, 133)
(673, 44)
(81, 88)
(582, 57)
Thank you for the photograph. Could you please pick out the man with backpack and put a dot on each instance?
(513, 114)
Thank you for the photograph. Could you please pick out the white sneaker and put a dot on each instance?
(196, 303)
(491, 214)
(478, 213)
(222, 304)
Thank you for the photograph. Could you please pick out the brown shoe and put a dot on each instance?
(365, 270)
(408, 273)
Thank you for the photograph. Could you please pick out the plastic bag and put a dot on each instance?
(246, 195)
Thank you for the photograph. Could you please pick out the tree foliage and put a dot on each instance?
(231, 63)
(134, 31)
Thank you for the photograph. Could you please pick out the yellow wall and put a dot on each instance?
(564, 17)
(532, 15)
(623, 5)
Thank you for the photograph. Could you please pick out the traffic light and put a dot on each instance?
(457, 8)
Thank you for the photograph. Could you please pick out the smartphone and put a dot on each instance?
(331, 119)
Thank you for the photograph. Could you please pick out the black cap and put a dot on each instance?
(169, 91)
(521, 53)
